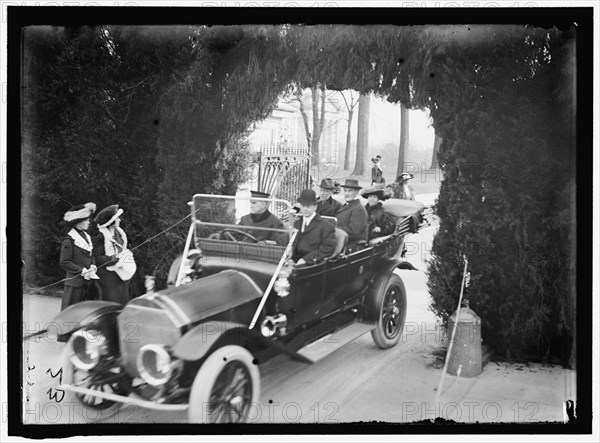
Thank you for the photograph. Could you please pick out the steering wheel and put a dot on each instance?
(227, 234)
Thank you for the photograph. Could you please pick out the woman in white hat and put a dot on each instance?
(76, 256)
(115, 262)
(401, 188)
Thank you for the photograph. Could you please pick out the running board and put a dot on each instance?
(324, 346)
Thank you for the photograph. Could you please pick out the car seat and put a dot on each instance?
(341, 238)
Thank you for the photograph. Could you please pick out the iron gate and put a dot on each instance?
(284, 171)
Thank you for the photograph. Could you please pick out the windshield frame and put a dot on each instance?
(287, 254)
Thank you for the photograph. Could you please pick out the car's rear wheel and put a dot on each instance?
(392, 313)
(226, 386)
(106, 377)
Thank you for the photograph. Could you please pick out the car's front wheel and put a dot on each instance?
(226, 386)
(392, 313)
(106, 377)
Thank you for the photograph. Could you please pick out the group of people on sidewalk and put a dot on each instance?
(97, 267)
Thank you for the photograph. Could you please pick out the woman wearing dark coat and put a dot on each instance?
(76, 256)
(115, 263)
(376, 172)
(381, 223)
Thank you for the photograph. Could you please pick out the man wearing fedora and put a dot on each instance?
(376, 172)
(76, 256)
(260, 216)
(381, 223)
(327, 205)
(315, 240)
(352, 216)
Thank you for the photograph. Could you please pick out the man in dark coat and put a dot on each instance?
(352, 216)
(315, 240)
(327, 205)
(381, 223)
(76, 255)
(261, 217)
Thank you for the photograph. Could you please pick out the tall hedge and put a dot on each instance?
(503, 108)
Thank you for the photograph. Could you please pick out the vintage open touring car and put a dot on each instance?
(233, 304)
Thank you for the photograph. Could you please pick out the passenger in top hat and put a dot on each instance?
(76, 256)
(352, 216)
(260, 216)
(381, 223)
(315, 240)
(115, 263)
(327, 205)
(376, 172)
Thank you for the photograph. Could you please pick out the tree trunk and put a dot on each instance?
(316, 159)
(305, 120)
(436, 149)
(348, 141)
(362, 136)
(403, 149)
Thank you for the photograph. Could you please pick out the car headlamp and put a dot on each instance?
(87, 347)
(282, 287)
(155, 364)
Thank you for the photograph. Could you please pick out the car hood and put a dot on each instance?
(208, 296)
(162, 317)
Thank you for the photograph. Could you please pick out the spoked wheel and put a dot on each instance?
(392, 313)
(226, 386)
(106, 377)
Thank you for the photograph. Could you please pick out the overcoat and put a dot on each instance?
(377, 175)
(352, 218)
(378, 217)
(328, 207)
(75, 255)
(316, 243)
(265, 220)
(112, 288)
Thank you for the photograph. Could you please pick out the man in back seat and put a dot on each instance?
(315, 240)
(352, 216)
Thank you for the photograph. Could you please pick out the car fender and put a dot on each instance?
(372, 298)
(198, 341)
(79, 315)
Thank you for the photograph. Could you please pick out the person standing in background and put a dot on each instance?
(376, 172)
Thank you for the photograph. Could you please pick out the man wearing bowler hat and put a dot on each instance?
(315, 240)
(327, 205)
(352, 216)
